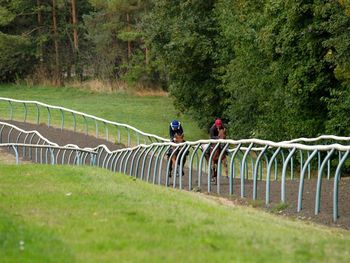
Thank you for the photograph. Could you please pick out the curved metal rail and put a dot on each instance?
(123, 133)
(252, 160)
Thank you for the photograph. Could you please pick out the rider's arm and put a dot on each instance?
(212, 133)
(171, 134)
(181, 131)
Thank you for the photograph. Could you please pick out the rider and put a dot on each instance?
(214, 130)
(214, 133)
(175, 128)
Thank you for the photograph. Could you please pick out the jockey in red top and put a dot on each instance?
(214, 130)
(214, 133)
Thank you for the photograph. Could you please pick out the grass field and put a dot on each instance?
(70, 214)
(81, 214)
(151, 114)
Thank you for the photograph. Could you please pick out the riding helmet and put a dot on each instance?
(218, 123)
(175, 124)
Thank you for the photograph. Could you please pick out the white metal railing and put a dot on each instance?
(121, 128)
(250, 159)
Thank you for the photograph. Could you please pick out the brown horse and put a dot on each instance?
(179, 138)
(216, 155)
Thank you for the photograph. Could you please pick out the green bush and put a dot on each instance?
(16, 57)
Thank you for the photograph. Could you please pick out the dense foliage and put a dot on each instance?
(182, 35)
(283, 79)
(271, 69)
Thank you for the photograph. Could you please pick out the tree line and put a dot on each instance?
(270, 69)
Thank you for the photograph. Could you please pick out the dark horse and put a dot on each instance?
(216, 155)
(177, 139)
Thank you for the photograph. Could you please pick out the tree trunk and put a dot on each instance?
(57, 70)
(40, 23)
(78, 68)
(75, 23)
(40, 71)
(129, 42)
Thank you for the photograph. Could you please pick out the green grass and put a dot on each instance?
(151, 114)
(72, 214)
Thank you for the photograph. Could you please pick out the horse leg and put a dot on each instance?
(170, 168)
(183, 165)
(173, 160)
(214, 173)
(224, 162)
(178, 170)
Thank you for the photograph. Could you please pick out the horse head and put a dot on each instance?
(179, 138)
(222, 133)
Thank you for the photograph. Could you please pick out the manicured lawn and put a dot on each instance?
(79, 214)
(151, 114)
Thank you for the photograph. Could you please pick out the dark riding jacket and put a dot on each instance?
(214, 132)
(173, 132)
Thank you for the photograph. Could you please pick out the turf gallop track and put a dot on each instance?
(63, 137)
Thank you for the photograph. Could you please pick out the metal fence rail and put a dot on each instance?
(147, 163)
(249, 161)
(48, 154)
(31, 145)
(12, 134)
(323, 139)
(253, 159)
(117, 132)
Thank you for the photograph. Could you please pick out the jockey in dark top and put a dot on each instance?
(214, 130)
(175, 128)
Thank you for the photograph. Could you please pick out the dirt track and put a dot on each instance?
(325, 217)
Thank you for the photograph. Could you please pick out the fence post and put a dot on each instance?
(336, 186)
(301, 184)
(319, 182)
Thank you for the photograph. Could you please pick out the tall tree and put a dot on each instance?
(182, 36)
(57, 68)
(115, 30)
(17, 51)
(243, 66)
(40, 30)
(338, 54)
(75, 24)
(279, 78)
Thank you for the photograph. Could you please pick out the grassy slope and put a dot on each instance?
(150, 114)
(91, 215)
